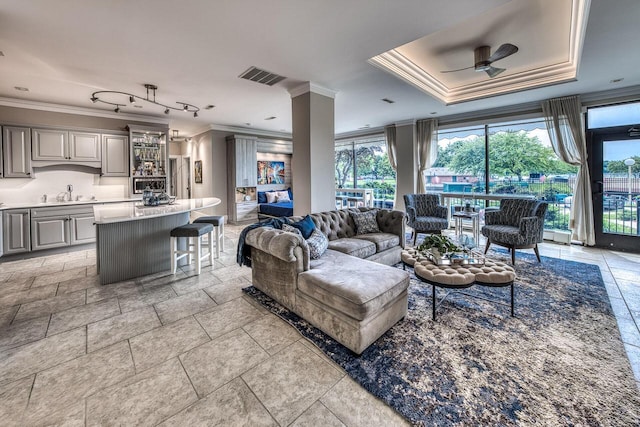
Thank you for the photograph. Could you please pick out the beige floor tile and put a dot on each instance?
(37, 271)
(288, 383)
(160, 344)
(20, 333)
(62, 276)
(355, 407)
(143, 400)
(15, 285)
(117, 328)
(28, 295)
(78, 263)
(7, 314)
(227, 317)
(78, 284)
(120, 289)
(65, 384)
(228, 290)
(13, 401)
(624, 274)
(82, 315)
(47, 306)
(21, 265)
(183, 306)
(145, 297)
(158, 279)
(31, 358)
(186, 285)
(215, 363)
(272, 333)
(70, 416)
(229, 272)
(255, 304)
(317, 415)
(231, 405)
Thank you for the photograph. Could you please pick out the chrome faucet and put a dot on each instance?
(70, 192)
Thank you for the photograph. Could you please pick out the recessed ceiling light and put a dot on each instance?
(209, 107)
(21, 89)
(1, 53)
(616, 80)
(270, 118)
(365, 127)
(433, 112)
(248, 124)
(388, 101)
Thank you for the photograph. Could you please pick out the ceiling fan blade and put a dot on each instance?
(460, 69)
(503, 51)
(494, 71)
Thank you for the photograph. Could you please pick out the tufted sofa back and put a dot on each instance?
(339, 224)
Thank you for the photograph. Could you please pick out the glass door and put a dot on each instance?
(615, 173)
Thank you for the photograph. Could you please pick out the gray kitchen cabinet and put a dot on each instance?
(16, 231)
(115, 155)
(84, 147)
(82, 227)
(16, 148)
(63, 146)
(49, 144)
(49, 232)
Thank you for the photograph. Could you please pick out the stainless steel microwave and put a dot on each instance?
(157, 183)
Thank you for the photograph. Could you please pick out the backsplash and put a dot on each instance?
(54, 182)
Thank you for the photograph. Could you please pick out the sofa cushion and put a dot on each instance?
(365, 222)
(355, 287)
(318, 243)
(305, 225)
(383, 241)
(355, 247)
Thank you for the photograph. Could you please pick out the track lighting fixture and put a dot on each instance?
(150, 98)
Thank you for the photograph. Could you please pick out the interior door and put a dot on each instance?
(615, 163)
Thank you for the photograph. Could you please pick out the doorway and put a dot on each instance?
(615, 167)
(180, 180)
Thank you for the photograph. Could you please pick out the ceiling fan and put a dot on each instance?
(484, 59)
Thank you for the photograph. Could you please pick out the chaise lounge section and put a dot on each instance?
(351, 292)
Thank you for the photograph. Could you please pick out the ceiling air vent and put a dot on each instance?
(261, 76)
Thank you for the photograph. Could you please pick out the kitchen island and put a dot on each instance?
(132, 240)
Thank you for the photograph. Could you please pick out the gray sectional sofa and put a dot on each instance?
(351, 292)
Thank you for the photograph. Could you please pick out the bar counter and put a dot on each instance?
(132, 240)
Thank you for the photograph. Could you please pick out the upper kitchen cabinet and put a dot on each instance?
(58, 145)
(242, 158)
(16, 148)
(115, 155)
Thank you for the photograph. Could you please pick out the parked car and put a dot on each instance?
(610, 203)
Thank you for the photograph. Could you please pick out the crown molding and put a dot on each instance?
(312, 87)
(404, 68)
(82, 111)
(245, 131)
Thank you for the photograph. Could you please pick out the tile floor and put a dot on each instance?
(192, 350)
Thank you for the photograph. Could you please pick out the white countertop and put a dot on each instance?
(29, 205)
(120, 212)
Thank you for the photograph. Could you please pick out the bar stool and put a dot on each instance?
(217, 221)
(194, 234)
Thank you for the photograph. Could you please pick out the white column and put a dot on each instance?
(312, 163)
(407, 161)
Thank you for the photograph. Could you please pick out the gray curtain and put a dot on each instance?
(565, 125)
(390, 137)
(427, 149)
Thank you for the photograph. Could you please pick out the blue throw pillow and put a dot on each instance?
(290, 193)
(305, 225)
(262, 197)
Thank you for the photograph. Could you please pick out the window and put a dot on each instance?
(363, 163)
(613, 115)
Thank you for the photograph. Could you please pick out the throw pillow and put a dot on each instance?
(318, 244)
(262, 197)
(271, 197)
(305, 225)
(291, 229)
(290, 191)
(282, 196)
(366, 222)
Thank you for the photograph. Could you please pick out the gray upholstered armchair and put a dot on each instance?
(425, 214)
(519, 224)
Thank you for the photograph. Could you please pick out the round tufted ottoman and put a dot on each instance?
(457, 276)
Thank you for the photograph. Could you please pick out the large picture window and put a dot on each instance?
(363, 163)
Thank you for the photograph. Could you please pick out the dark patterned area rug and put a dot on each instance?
(559, 362)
